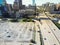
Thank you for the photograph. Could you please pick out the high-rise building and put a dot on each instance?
(9, 6)
(33, 2)
(16, 0)
(2, 6)
(2, 2)
(58, 7)
(18, 3)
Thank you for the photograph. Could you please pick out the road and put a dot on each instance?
(37, 39)
(50, 33)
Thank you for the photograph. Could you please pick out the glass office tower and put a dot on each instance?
(2, 5)
(33, 2)
(1, 2)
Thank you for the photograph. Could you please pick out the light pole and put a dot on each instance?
(35, 9)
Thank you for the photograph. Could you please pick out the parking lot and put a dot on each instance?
(16, 33)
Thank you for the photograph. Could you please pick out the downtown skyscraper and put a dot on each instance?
(18, 3)
(3, 8)
(2, 2)
(33, 2)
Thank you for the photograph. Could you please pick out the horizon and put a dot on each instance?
(38, 2)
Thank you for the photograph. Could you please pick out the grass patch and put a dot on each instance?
(18, 20)
(27, 20)
(13, 20)
(57, 24)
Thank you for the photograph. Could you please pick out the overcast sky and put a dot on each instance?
(38, 2)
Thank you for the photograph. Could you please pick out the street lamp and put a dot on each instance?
(35, 8)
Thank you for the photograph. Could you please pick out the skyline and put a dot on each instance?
(38, 2)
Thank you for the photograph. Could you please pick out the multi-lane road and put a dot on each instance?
(50, 33)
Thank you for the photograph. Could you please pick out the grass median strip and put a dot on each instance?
(57, 24)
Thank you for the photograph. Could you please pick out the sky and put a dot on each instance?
(38, 2)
